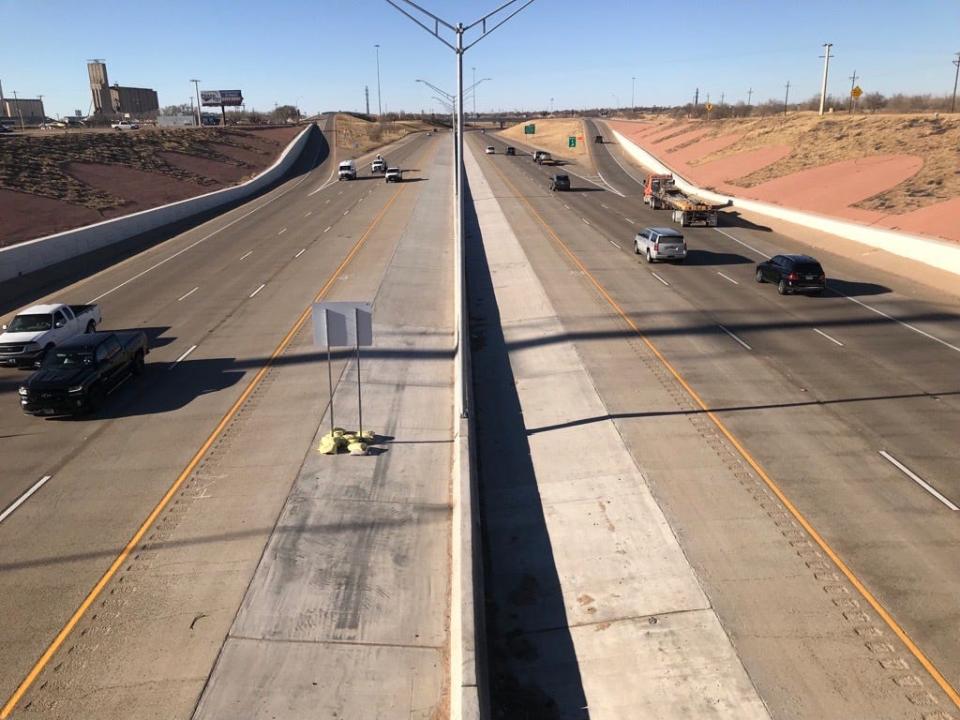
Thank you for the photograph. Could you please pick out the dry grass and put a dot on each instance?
(38, 164)
(552, 136)
(820, 141)
(358, 136)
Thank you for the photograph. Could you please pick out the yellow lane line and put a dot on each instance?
(894, 626)
(91, 597)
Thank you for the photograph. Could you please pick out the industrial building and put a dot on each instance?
(29, 109)
(112, 100)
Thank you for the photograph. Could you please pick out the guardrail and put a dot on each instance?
(930, 251)
(41, 253)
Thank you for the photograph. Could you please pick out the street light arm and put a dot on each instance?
(437, 22)
(484, 21)
(449, 96)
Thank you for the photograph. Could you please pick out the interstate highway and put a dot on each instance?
(215, 301)
(847, 401)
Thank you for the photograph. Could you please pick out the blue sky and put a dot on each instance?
(320, 54)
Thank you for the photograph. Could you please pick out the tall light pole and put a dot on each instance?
(379, 104)
(826, 71)
(196, 86)
(408, 7)
(474, 94)
(953, 105)
(633, 93)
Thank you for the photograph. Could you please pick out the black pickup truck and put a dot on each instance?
(77, 375)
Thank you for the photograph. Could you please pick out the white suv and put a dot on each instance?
(125, 125)
(659, 243)
(346, 170)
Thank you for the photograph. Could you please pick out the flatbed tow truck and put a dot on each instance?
(661, 191)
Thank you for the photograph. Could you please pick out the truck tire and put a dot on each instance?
(647, 256)
(91, 327)
(95, 399)
(636, 248)
(138, 364)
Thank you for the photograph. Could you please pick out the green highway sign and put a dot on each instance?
(530, 129)
(571, 141)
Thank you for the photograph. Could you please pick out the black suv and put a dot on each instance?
(510, 150)
(793, 273)
(560, 182)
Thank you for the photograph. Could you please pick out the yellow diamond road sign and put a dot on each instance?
(709, 107)
(856, 92)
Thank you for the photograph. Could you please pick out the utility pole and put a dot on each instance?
(196, 86)
(16, 101)
(953, 105)
(474, 93)
(722, 96)
(366, 97)
(786, 98)
(749, 96)
(379, 104)
(551, 106)
(43, 112)
(696, 97)
(826, 71)
(434, 25)
(633, 93)
(853, 84)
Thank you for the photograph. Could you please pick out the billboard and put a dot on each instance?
(217, 98)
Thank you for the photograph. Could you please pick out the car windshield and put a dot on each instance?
(30, 323)
(68, 358)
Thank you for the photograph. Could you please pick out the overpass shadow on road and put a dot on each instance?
(531, 660)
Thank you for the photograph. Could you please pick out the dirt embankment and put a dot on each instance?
(355, 136)
(52, 183)
(896, 171)
(553, 135)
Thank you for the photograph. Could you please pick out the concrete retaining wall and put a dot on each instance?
(43, 252)
(936, 253)
(467, 685)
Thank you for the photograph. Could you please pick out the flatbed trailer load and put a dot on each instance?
(660, 191)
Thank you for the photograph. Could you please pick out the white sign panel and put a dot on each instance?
(342, 324)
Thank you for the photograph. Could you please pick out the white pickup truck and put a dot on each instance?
(30, 334)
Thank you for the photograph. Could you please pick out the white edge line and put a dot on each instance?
(328, 228)
(23, 498)
(585, 220)
(184, 297)
(258, 289)
(183, 357)
(615, 244)
(246, 255)
(282, 231)
(734, 337)
(660, 278)
(751, 247)
(833, 340)
(918, 480)
(299, 253)
(901, 322)
(309, 213)
(609, 186)
(724, 275)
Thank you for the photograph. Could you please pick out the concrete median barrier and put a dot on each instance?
(41, 253)
(936, 253)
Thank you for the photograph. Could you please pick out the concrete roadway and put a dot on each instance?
(216, 302)
(814, 388)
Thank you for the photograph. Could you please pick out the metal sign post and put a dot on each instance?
(343, 324)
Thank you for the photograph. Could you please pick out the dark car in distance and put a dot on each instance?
(510, 150)
(560, 182)
(77, 375)
(793, 273)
